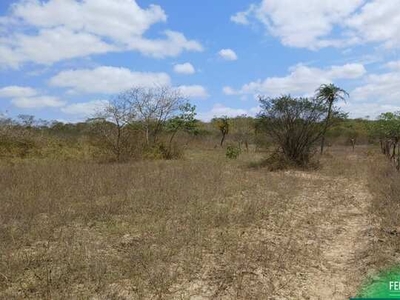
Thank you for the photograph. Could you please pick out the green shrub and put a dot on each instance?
(161, 151)
(232, 152)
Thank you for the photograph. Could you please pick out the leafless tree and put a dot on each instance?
(153, 107)
(111, 122)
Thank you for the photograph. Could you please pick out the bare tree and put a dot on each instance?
(111, 122)
(243, 130)
(153, 107)
(27, 120)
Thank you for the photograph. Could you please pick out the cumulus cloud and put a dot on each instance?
(52, 45)
(107, 80)
(186, 68)
(219, 110)
(383, 88)
(394, 65)
(17, 92)
(51, 31)
(227, 54)
(193, 91)
(377, 21)
(173, 45)
(27, 97)
(317, 24)
(302, 80)
(306, 23)
(370, 109)
(85, 109)
(227, 90)
(37, 102)
(118, 19)
(242, 17)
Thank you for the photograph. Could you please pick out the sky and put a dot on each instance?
(64, 59)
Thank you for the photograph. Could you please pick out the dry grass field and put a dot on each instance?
(199, 228)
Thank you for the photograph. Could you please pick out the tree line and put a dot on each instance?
(146, 122)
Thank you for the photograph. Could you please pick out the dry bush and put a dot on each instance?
(385, 210)
(160, 150)
(163, 229)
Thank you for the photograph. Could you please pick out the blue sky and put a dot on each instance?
(63, 59)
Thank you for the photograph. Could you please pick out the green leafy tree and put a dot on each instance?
(223, 125)
(185, 121)
(329, 93)
(388, 129)
(294, 125)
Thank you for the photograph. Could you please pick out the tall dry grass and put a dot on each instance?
(384, 183)
(147, 230)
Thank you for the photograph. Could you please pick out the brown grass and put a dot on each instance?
(384, 182)
(144, 230)
(204, 226)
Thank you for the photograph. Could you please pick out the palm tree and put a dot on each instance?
(329, 93)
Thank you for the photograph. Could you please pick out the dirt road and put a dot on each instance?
(338, 204)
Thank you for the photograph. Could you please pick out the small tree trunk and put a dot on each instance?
(147, 135)
(326, 127)
(171, 139)
(387, 148)
(118, 148)
(353, 143)
(223, 139)
(398, 158)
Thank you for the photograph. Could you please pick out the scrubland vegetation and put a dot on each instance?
(143, 201)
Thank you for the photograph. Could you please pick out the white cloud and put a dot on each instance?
(242, 17)
(17, 92)
(107, 80)
(316, 24)
(219, 110)
(8, 57)
(306, 23)
(302, 80)
(186, 68)
(51, 31)
(37, 102)
(193, 91)
(85, 109)
(228, 54)
(27, 97)
(227, 90)
(377, 21)
(361, 110)
(393, 65)
(377, 94)
(383, 88)
(52, 45)
(174, 44)
(118, 20)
